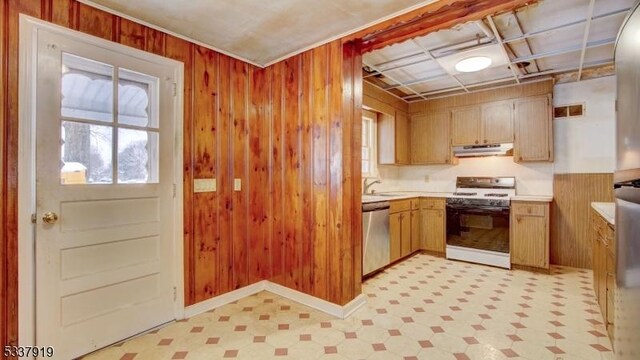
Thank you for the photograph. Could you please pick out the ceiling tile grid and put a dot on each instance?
(540, 40)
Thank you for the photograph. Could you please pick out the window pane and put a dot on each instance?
(365, 153)
(365, 167)
(86, 154)
(138, 153)
(87, 89)
(365, 132)
(137, 104)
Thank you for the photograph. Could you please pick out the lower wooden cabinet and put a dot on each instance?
(604, 268)
(417, 224)
(433, 222)
(529, 240)
(415, 230)
(400, 228)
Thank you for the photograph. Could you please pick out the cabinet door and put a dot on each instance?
(602, 277)
(533, 132)
(465, 125)
(433, 230)
(497, 122)
(430, 138)
(529, 241)
(402, 138)
(611, 291)
(405, 224)
(395, 235)
(415, 230)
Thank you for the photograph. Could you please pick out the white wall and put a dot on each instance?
(582, 145)
(586, 144)
(532, 179)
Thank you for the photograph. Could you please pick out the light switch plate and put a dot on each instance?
(237, 184)
(204, 185)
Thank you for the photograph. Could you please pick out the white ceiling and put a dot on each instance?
(408, 71)
(259, 31)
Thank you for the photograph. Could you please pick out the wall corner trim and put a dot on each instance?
(341, 312)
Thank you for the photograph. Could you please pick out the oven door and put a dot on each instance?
(478, 227)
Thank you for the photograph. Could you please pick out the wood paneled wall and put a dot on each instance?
(289, 132)
(381, 101)
(570, 215)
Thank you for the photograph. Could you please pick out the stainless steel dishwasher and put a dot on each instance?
(375, 233)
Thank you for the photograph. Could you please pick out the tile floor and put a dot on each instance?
(423, 308)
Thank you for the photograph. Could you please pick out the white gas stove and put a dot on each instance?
(478, 220)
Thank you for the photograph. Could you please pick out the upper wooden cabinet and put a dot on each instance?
(393, 139)
(533, 129)
(430, 139)
(465, 125)
(497, 122)
(490, 123)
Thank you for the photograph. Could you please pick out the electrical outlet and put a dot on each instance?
(204, 185)
(237, 184)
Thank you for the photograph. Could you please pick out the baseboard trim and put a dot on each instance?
(224, 299)
(341, 312)
(327, 307)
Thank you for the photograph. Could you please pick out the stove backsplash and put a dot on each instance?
(531, 179)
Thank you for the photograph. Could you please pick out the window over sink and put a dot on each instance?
(369, 143)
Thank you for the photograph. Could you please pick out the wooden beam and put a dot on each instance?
(442, 14)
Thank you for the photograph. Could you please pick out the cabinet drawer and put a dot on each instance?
(399, 206)
(432, 203)
(415, 204)
(529, 209)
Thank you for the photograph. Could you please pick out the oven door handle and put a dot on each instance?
(480, 211)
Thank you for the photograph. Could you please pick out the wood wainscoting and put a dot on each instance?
(289, 132)
(570, 216)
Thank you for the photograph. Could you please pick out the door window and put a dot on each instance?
(100, 145)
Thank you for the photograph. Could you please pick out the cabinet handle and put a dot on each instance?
(477, 141)
(485, 141)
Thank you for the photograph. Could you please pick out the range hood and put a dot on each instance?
(483, 150)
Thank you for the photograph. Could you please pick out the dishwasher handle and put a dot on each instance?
(376, 206)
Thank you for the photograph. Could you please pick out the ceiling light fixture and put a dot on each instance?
(473, 64)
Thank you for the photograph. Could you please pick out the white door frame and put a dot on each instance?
(29, 28)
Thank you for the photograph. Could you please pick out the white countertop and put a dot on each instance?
(606, 210)
(400, 195)
(540, 198)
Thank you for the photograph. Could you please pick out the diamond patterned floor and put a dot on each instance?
(423, 308)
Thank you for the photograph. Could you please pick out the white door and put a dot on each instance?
(104, 167)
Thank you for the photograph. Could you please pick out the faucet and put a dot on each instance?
(365, 186)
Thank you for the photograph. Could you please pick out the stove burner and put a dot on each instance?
(496, 195)
(465, 193)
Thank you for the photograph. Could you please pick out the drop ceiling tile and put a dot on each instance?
(607, 6)
(491, 74)
(558, 40)
(547, 14)
(464, 32)
(606, 28)
(599, 54)
(560, 62)
(434, 85)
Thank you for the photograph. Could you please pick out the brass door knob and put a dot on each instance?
(50, 217)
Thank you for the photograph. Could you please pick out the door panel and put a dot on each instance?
(497, 122)
(533, 140)
(465, 125)
(395, 235)
(430, 141)
(104, 268)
